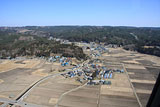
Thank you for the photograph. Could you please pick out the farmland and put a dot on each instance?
(133, 87)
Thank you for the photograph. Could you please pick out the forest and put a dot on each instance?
(130, 38)
(12, 46)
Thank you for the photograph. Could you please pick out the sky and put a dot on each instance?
(139, 13)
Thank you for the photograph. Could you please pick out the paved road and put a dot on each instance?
(23, 94)
(8, 101)
(19, 99)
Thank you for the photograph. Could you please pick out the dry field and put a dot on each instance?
(48, 92)
(140, 72)
(15, 76)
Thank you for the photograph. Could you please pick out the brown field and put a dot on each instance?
(140, 72)
(48, 92)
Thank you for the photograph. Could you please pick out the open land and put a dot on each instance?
(129, 89)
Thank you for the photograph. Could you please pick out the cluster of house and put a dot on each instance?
(97, 82)
(103, 75)
(107, 73)
(113, 46)
(62, 41)
(93, 73)
(97, 50)
(101, 48)
(94, 54)
(63, 60)
(81, 71)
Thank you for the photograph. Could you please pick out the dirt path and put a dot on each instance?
(140, 104)
(60, 98)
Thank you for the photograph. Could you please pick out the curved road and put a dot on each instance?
(23, 94)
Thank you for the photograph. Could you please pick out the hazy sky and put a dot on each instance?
(80, 12)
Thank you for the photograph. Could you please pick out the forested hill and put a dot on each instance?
(142, 39)
(14, 45)
(107, 34)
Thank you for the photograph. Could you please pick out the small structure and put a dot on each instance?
(107, 82)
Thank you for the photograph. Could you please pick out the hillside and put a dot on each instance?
(131, 38)
(13, 45)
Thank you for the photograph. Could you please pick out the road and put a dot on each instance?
(22, 95)
(134, 91)
(99, 96)
(25, 92)
(60, 98)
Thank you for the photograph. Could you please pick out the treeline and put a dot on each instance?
(107, 34)
(13, 47)
(132, 38)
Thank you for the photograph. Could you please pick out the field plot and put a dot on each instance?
(83, 97)
(138, 79)
(154, 70)
(17, 77)
(143, 79)
(143, 82)
(48, 92)
(118, 101)
(119, 91)
(142, 70)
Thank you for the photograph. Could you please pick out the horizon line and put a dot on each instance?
(85, 25)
